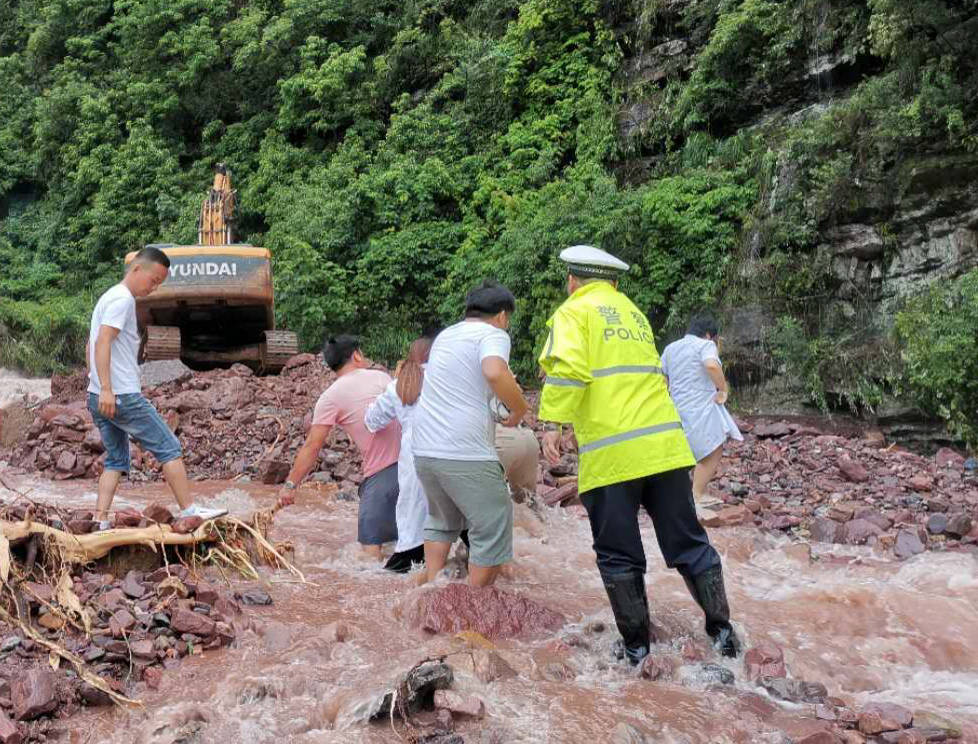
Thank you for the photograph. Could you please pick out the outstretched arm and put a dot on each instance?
(305, 460)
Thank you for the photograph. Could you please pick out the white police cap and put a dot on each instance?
(588, 261)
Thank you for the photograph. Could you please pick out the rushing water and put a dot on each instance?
(867, 627)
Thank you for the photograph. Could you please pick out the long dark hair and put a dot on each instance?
(409, 374)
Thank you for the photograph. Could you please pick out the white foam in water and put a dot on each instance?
(235, 500)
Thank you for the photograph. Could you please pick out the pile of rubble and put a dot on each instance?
(792, 478)
(230, 422)
(115, 632)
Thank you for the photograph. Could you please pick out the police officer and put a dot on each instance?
(603, 376)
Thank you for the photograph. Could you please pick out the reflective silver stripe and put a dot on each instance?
(625, 436)
(564, 381)
(625, 369)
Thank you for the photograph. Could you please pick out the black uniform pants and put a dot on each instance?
(668, 499)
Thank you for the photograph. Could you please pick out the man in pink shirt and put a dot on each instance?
(343, 403)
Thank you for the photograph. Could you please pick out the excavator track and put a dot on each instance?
(277, 349)
(161, 342)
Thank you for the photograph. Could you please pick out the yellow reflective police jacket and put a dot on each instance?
(604, 377)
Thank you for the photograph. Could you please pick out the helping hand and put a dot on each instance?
(551, 446)
(720, 397)
(286, 496)
(106, 404)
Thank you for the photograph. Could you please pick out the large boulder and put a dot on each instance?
(494, 613)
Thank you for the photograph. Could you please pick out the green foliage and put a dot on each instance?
(391, 155)
(938, 334)
(840, 367)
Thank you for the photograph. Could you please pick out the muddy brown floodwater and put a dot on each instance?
(869, 628)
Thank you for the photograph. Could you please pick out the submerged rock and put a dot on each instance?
(495, 613)
(413, 693)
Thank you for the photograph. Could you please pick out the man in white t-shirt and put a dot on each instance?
(115, 393)
(453, 438)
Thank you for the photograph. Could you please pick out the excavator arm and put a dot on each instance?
(217, 211)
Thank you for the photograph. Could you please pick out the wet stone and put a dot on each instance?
(625, 733)
(9, 644)
(9, 732)
(937, 523)
(908, 543)
(418, 688)
(459, 704)
(794, 690)
(959, 525)
(253, 597)
(764, 660)
(717, 674)
(132, 585)
(33, 694)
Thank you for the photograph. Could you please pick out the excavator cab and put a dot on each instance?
(217, 305)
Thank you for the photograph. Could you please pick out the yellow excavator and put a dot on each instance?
(217, 306)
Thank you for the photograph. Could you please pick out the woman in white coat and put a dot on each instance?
(699, 390)
(398, 403)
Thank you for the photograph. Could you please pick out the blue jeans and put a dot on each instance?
(134, 417)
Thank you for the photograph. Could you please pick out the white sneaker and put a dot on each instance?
(104, 525)
(195, 510)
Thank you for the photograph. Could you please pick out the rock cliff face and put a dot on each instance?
(847, 226)
(932, 234)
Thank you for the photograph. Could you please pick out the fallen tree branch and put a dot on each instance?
(76, 661)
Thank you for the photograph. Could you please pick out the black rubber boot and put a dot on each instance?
(626, 592)
(708, 591)
(402, 562)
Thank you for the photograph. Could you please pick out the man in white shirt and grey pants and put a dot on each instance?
(454, 431)
(115, 393)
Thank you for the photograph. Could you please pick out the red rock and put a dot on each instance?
(457, 703)
(66, 462)
(490, 666)
(858, 531)
(898, 714)
(93, 440)
(922, 483)
(33, 694)
(823, 529)
(907, 544)
(188, 621)
(121, 622)
(64, 434)
(156, 512)
(272, 471)
(9, 732)
(772, 430)
(851, 470)
(764, 660)
(658, 667)
(959, 525)
(840, 512)
(126, 518)
(132, 585)
(873, 723)
(112, 599)
(728, 516)
(206, 593)
(152, 676)
(825, 712)
(937, 505)
(143, 649)
(948, 458)
(186, 525)
(493, 612)
(81, 526)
